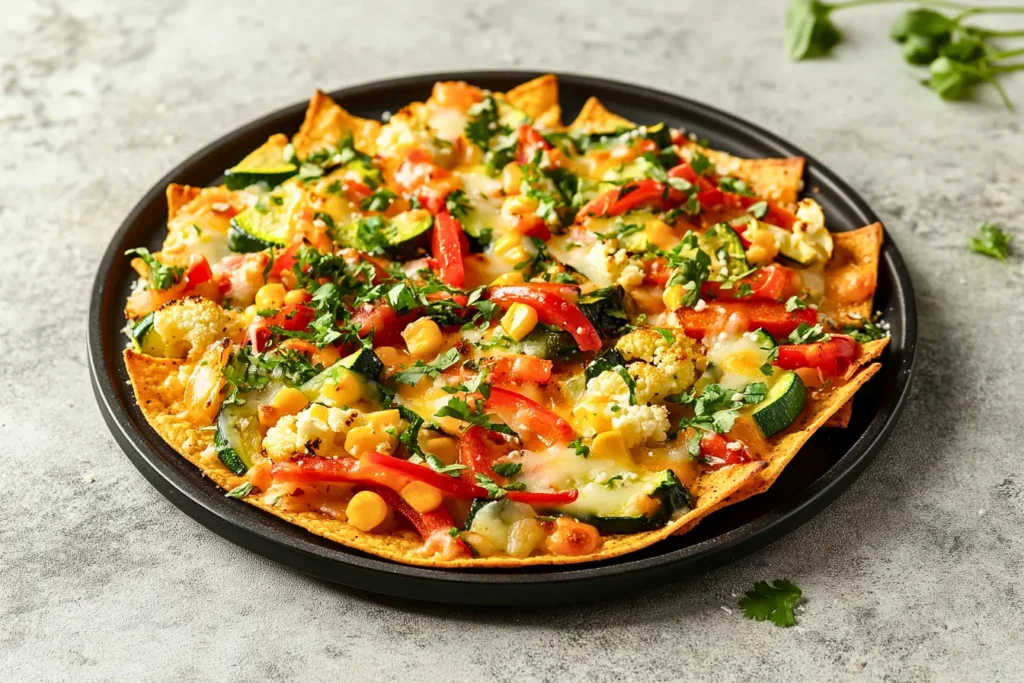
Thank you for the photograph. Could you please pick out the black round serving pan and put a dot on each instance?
(820, 472)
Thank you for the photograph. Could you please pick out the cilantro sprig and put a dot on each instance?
(773, 601)
(161, 275)
(991, 241)
(433, 369)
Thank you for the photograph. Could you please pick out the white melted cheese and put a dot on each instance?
(739, 357)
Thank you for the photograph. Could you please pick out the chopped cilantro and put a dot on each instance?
(865, 333)
(991, 241)
(461, 410)
(433, 369)
(380, 200)
(808, 334)
(161, 275)
(580, 449)
(737, 186)
(772, 601)
(507, 469)
(795, 303)
(240, 491)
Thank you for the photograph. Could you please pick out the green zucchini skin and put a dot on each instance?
(606, 310)
(227, 454)
(547, 343)
(141, 329)
(366, 363)
(671, 495)
(474, 508)
(242, 242)
(783, 404)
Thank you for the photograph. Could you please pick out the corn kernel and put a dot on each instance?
(250, 313)
(673, 297)
(421, 496)
(318, 411)
(382, 419)
(289, 401)
(345, 393)
(270, 297)
(519, 320)
(509, 248)
(506, 279)
(297, 296)
(326, 356)
(519, 205)
(660, 234)
(610, 445)
(366, 510)
(444, 448)
(423, 338)
(512, 179)
(366, 439)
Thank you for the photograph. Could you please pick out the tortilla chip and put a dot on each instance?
(159, 395)
(539, 99)
(779, 179)
(178, 196)
(326, 123)
(851, 276)
(594, 118)
(841, 418)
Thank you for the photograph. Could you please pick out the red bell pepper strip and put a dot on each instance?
(285, 260)
(447, 249)
(628, 197)
(530, 142)
(522, 412)
(715, 451)
(357, 191)
(458, 488)
(772, 317)
(570, 293)
(515, 368)
(552, 309)
(426, 523)
(544, 499)
(198, 272)
(770, 283)
(832, 357)
(315, 470)
(686, 172)
(776, 215)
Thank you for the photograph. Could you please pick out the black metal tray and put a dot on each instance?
(820, 472)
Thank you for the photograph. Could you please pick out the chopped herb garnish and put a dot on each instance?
(161, 275)
(772, 601)
(991, 241)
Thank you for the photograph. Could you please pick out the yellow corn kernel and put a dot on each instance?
(519, 205)
(519, 320)
(268, 416)
(505, 279)
(421, 496)
(366, 439)
(270, 297)
(366, 510)
(250, 313)
(444, 448)
(326, 356)
(289, 401)
(660, 234)
(512, 179)
(382, 419)
(297, 296)
(423, 338)
(347, 393)
(318, 411)
(509, 248)
(610, 445)
(673, 297)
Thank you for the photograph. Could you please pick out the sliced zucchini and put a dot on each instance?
(266, 164)
(546, 342)
(372, 394)
(782, 405)
(608, 508)
(408, 234)
(611, 358)
(266, 224)
(365, 362)
(607, 310)
(237, 440)
(725, 248)
(147, 340)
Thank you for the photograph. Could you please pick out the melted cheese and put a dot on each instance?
(739, 357)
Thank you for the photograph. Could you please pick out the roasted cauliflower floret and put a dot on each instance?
(317, 430)
(188, 326)
(606, 405)
(674, 362)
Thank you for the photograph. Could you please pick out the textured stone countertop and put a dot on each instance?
(915, 573)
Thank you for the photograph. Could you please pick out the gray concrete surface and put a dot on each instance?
(914, 574)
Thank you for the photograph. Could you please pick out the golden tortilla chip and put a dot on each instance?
(539, 99)
(851, 276)
(159, 394)
(779, 180)
(594, 118)
(178, 196)
(841, 418)
(326, 123)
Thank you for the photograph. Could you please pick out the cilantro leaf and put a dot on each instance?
(507, 469)
(161, 275)
(433, 369)
(737, 186)
(991, 241)
(438, 465)
(808, 334)
(461, 410)
(458, 204)
(865, 333)
(795, 303)
(240, 491)
(494, 491)
(774, 601)
(380, 200)
(580, 449)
